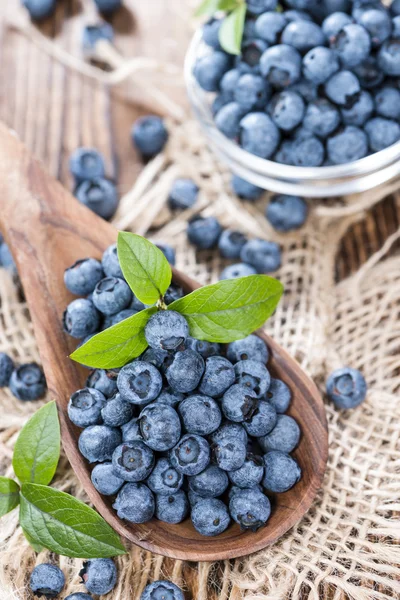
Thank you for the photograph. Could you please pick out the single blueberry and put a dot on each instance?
(191, 455)
(256, 7)
(209, 69)
(251, 347)
(174, 292)
(200, 414)
(194, 498)
(183, 194)
(100, 195)
(228, 118)
(279, 395)
(244, 189)
(284, 155)
(249, 474)
(343, 88)
(262, 421)
(105, 480)
(159, 358)
(229, 82)
(252, 92)
(139, 382)
(135, 503)
(281, 65)
(378, 24)
(303, 35)
(185, 371)
(164, 479)
(286, 213)
(85, 406)
(81, 278)
(46, 580)
(253, 375)
(249, 59)
(94, 33)
(219, 375)
(168, 396)
(121, 316)
(149, 135)
(239, 403)
(27, 382)
(270, 25)
(173, 508)
(210, 483)
(237, 270)
(319, 64)
(81, 318)
(369, 73)
(284, 436)
(360, 112)
(287, 109)
(347, 145)
(133, 461)
(162, 590)
(160, 426)
(352, 45)
(387, 103)
(230, 430)
(111, 295)
(307, 90)
(203, 232)
(395, 8)
(117, 411)
(264, 256)
(107, 7)
(346, 387)
(307, 151)
(166, 329)
(131, 431)
(229, 453)
(259, 135)
(210, 517)
(40, 9)
(86, 163)
(382, 132)
(103, 381)
(210, 32)
(6, 369)
(110, 262)
(98, 442)
(396, 27)
(99, 575)
(334, 23)
(250, 509)
(204, 348)
(282, 472)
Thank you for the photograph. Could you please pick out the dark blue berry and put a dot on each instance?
(81, 278)
(262, 420)
(270, 25)
(149, 135)
(7, 260)
(121, 316)
(264, 256)
(203, 232)
(107, 7)
(133, 461)
(360, 112)
(204, 348)
(279, 395)
(319, 64)
(230, 430)
(99, 575)
(249, 474)
(85, 406)
(346, 387)
(387, 103)
(237, 270)
(86, 163)
(210, 32)
(334, 23)
(369, 73)
(183, 194)
(228, 118)
(6, 369)
(131, 431)
(378, 24)
(27, 382)
(40, 9)
(105, 480)
(111, 295)
(173, 508)
(382, 132)
(117, 411)
(110, 262)
(229, 453)
(160, 426)
(282, 472)
(286, 213)
(251, 347)
(200, 414)
(303, 35)
(284, 437)
(343, 88)
(244, 189)
(168, 252)
(252, 92)
(239, 403)
(139, 382)
(79, 596)
(210, 517)
(287, 109)
(100, 195)
(210, 483)
(162, 590)
(307, 151)
(256, 7)
(259, 135)
(157, 357)
(185, 371)
(347, 145)
(229, 82)
(250, 509)
(168, 396)
(253, 375)
(166, 329)
(191, 455)
(46, 580)
(103, 381)
(174, 292)
(164, 479)
(352, 45)
(249, 59)
(81, 318)
(218, 376)
(98, 442)
(135, 503)
(209, 69)
(281, 65)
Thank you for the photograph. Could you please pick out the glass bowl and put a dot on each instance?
(318, 182)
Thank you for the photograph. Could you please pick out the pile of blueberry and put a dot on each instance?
(316, 83)
(189, 426)
(42, 9)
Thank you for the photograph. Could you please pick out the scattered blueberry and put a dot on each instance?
(210, 516)
(6, 259)
(27, 382)
(86, 164)
(203, 232)
(281, 472)
(237, 270)
(264, 256)
(346, 387)
(6, 369)
(244, 189)
(79, 596)
(135, 503)
(46, 580)
(40, 9)
(99, 575)
(183, 194)
(162, 590)
(149, 135)
(94, 33)
(107, 7)
(286, 213)
(100, 195)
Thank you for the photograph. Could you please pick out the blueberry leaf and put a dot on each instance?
(231, 30)
(230, 309)
(66, 525)
(144, 266)
(37, 449)
(9, 495)
(116, 345)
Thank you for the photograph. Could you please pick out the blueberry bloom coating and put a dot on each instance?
(287, 109)
(99, 575)
(158, 358)
(200, 414)
(303, 35)
(183, 193)
(173, 508)
(86, 163)
(343, 88)
(27, 382)
(6, 369)
(253, 375)
(270, 25)
(347, 145)
(249, 474)
(279, 395)
(264, 256)
(117, 411)
(84, 407)
(98, 442)
(210, 32)
(210, 483)
(259, 135)
(237, 270)
(346, 387)
(262, 421)
(230, 430)
(387, 102)
(111, 295)
(251, 347)
(218, 376)
(168, 396)
(191, 455)
(131, 431)
(244, 189)
(239, 403)
(203, 232)
(250, 509)
(281, 65)
(135, 503)
(105, 480)
(360, 111)
(103, 381)
(209, 70)
(160, 426)
(205, 349)
(286, 213)
(210, 517)
(39, 9)
(382, 132)
(229, 82)
(185, 371)
(234, 490)
(139, 382)
(230, 243)
(252, 92)
(166, 329)
(133, 461)
(378, 24)
(281, 472)
(110, 262)
(47, 580)
(369, 73)
(284, 436)
(81, 278)
(164, 479)
(194, 498)
(229, 454)
(81, 318)
(319, 64)
(100, 195)
(352, 44)
(162, 590)
(228, 118)
(149, 135)
(334, 23)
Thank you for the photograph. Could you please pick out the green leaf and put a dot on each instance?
(117, 345)
(207, 7)
(230, 309)
(66, 525)
(37, 450)
(231, 30)
(9, 495)
(37, 547)
(144, 266)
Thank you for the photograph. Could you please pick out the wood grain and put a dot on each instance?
(47, 231)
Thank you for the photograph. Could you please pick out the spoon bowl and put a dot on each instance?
(47, 230)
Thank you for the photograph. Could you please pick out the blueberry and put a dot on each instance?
(334, 23)
(252, 92)
(218, 376)
(239, 403)
(369, 73)
(251, 347)
(209, 69)
(270, 25)
(168, 396)
(307, 90)
(237, 270)
(382, 132)
(40, 9)
(173, 508)
(46, 580)
(360, 112)
(297, 15)
(378, 24)
(234, 490)
(159, 358)
(210, 483)
(93, 34)
(133, 461)
(249, 474)
(204, 348)
(303, 35)
(100, 195)
(135, 503)
(200, 414)
(27, 382)
(264, 256)
(327, 7)
(253, 375)
(387, 102)
(352, 45)
(131, 431)
(343, 88)
(164, 479)
(194, 498)
(99, 575)
(103, 381)
(107, 7)
(110, 262)
(6, 369)
(160, 426)
(396, 27)
(174, 292)
(259, 135)
(219, 101)
(210, 32)
(81, 318)
(347, 145)
(244, 189)
(162, 590)
(183, 194)
(229, 453)
(139, 382)
(251, 52)
(203, 232)
(307, 152)
(284, 437)
(105, 480)
(121, 316)
(98, 442)
(111, 295)
(279, 395)
(228, 118)
(395, 8)
(85, 406)
(284, 155)
(286, 109)
(229, 82)
(346, 387)
(149, 135)
(210, 517)
(185, 371)
(86, 163)
(281, 472)
(81, 278)
(117, 411)
(256, 7)
(191, 455)
(281, 65)
(230, 430)
(166, 329)
(250, 509)
(78, 596)
(286, 213)
(7, 260)
(262, 421)
(319, 64)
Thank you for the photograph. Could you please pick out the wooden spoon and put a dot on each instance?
(47, 230)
